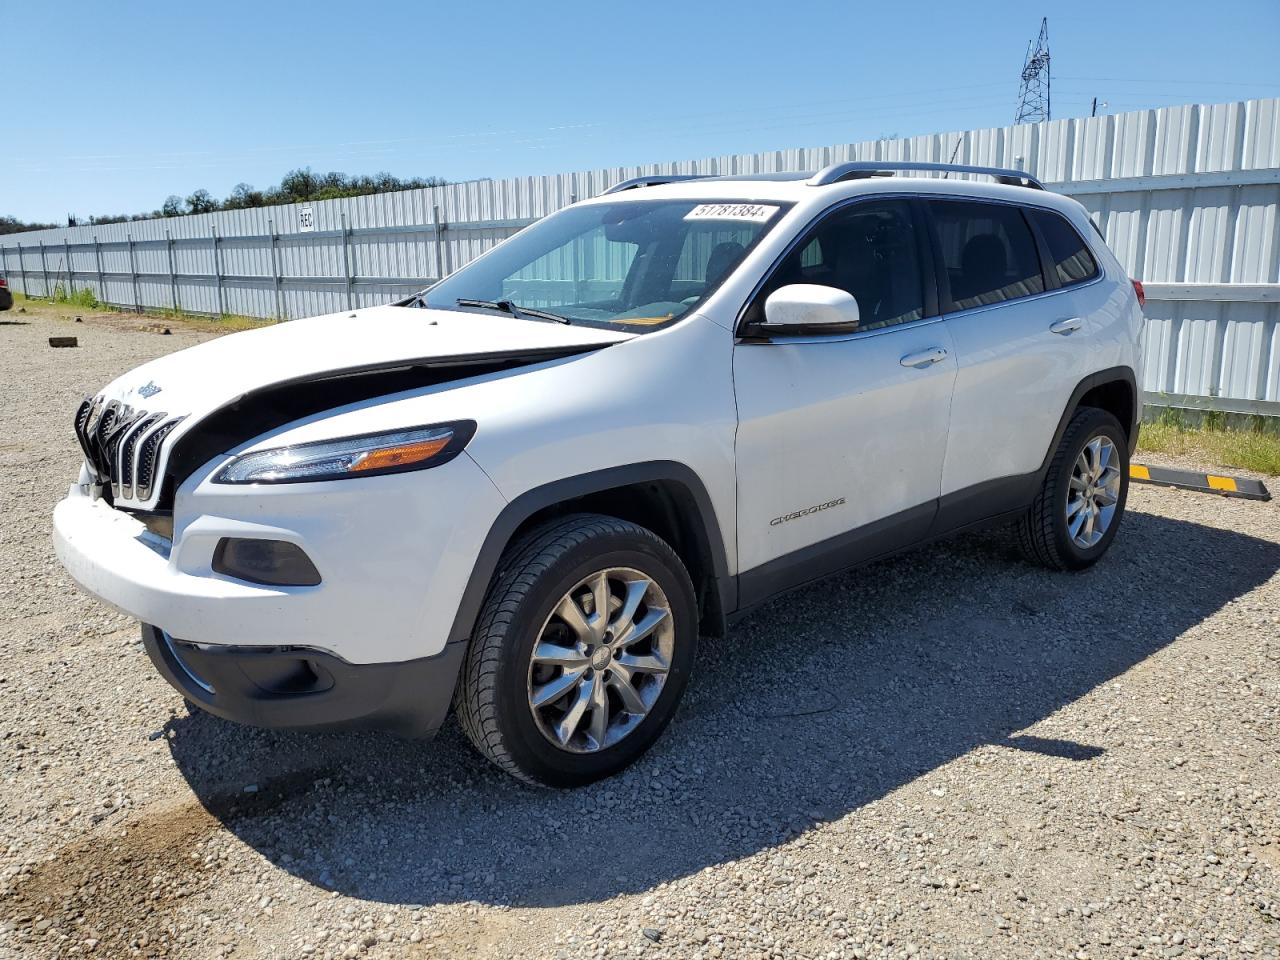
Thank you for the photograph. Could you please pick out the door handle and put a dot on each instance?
(925, 358)
(1067, 326)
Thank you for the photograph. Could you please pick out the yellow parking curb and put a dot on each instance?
(1204, 482)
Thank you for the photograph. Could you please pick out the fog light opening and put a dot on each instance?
(273, 562)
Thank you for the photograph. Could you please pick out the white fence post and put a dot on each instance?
(439, 236)
(97, 259)
(275, 269)
(44, 269)
(217, 270)
(22, 267)
(173, 276)
(133, 276)
(346, 263)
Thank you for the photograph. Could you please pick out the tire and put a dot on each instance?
(537, 580)
(1044, 532)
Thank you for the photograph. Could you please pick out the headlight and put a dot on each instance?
(367, 455)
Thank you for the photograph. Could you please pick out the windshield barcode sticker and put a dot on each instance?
(751, 212)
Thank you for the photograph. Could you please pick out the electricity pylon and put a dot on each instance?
(1033, 94)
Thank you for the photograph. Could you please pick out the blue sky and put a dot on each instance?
(114, 106)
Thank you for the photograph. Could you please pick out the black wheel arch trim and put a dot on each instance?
(1124, 375)
(526, 505)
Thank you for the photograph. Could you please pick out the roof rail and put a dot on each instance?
(653, 180)
(881, 168)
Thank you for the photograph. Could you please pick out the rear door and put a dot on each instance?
(841, 436)
(1021, 348)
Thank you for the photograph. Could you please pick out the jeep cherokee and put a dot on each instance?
(527, 490)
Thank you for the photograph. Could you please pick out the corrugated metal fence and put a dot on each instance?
(1188, 197)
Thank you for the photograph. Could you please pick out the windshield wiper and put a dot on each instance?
(506, 306)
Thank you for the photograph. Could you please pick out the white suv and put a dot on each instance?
(527, 490)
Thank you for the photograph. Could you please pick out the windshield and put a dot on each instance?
(629, 265)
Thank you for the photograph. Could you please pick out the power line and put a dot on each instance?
(1161, 83)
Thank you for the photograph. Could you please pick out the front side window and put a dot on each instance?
(629, 265)
(1070, 254)
(988, 252)
(870, 251)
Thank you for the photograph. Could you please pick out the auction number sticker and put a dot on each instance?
(750, 212)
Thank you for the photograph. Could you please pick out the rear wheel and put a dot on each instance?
(1075, 516)
(582, 651)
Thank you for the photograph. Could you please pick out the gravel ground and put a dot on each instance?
(951, 754)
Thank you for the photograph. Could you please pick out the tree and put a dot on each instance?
(14, 225)
(201, 202)
(243, 197)
(298, 185)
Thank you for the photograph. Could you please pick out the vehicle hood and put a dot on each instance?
(216, 372)
(164, 418)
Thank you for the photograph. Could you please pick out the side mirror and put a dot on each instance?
(800, 305)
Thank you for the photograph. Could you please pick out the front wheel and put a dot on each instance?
(1074, 518)
(581, 653)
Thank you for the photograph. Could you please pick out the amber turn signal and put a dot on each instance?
(400, 456)
(415, 448)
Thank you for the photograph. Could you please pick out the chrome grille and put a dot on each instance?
(101, 429)
(83, 416)
(122, 445)
(149, 455)
(114, 434)
(127, 447)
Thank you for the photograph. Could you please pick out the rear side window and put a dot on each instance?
(988, 252)
(1067, 250)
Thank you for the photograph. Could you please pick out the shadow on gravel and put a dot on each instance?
(818, 704)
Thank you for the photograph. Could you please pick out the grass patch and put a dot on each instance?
(235, 321)
(81, 298)
(86, 300)
(227, 322)
(1252, 448)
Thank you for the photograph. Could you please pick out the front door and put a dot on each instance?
(841, 437)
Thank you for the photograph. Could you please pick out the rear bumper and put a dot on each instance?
(304, 688)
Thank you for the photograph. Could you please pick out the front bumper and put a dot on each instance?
(114, 557)
(394, 554)
(301, 688)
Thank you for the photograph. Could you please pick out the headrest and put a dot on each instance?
(984, 259)
(723, 257)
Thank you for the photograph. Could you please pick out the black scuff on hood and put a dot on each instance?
(259, 411)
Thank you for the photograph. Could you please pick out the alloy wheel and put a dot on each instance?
(1094, 492)
(601, 660)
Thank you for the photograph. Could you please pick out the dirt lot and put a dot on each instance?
(948, 755)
